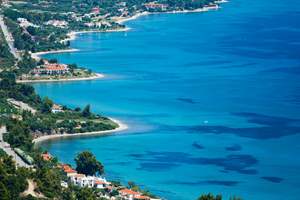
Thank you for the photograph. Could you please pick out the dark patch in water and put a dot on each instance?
(157, 161)
(271, 127)
(186, 100)
(136, 155)
(206, 182)
(224, 171)
(234, 147)
(272, 179)
(266, 120)
(287, 70)
(156, 166)
(206, 63)
(198, 146)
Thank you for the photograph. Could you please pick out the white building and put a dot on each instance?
(57, 23)
(25, 23)
(88, 181)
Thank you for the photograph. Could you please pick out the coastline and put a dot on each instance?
(121, 127)
(96, 76)
(72, 34)
(37, 55)
(145, 13)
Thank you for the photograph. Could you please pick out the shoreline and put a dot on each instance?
(72, 34)
(37, 55)
(145, 13)
(96, 76)
(121, 127)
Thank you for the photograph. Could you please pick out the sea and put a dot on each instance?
(212, 101)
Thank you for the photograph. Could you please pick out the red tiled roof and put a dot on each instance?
(98, 182)
(69, 171)
(55, 66)
(79, 175)
(46, 156)
(141, 197)
(127, 191)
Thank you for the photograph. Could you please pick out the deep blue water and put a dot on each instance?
(212, 99)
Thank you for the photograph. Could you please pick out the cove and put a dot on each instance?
(212, 101)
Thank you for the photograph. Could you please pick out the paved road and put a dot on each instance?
(8, 37)
(6, 147)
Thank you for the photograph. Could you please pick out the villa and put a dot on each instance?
(51, 69)
(57, 23)
(154, 5)
(95, 11)
(88, 181)
(46, 156)
(25, 23)
(56, 108)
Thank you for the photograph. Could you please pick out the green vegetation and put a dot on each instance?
(87, 164)
(23, 125)
(213, 197)
(6, 58)
(12, 180)
(47, 22)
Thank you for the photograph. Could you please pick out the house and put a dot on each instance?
(155, 6)
(57, 23)
(100, 184)
(211, 6)
(46, 156)
(88, 181)
(24, 23)
(141, 197)
(128, 194)
(95, 10)
(56, 108)
(67, 169)
(51, 69)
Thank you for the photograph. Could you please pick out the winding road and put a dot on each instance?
(6, 147)
(8, 37)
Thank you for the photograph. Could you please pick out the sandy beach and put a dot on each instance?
(38, 55)
(72, 35)
(122, 127)
(121, 20)
(96, 76)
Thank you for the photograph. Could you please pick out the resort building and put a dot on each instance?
(211, 6)
(51, 69)
(67, 169)
(24, 23)
(88, 181)
(95, 10)
(46, 156)
(56, 108)
(155, 6)
(128, 194)
(82, 180)
(57, 23)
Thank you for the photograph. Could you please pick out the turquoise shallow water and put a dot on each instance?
(212, 101)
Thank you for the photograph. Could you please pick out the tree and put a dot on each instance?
(210, 197)
(87, 164)
(47, 105)
(86, 112)
(4, 194)
(77, 109)
(86, 194)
